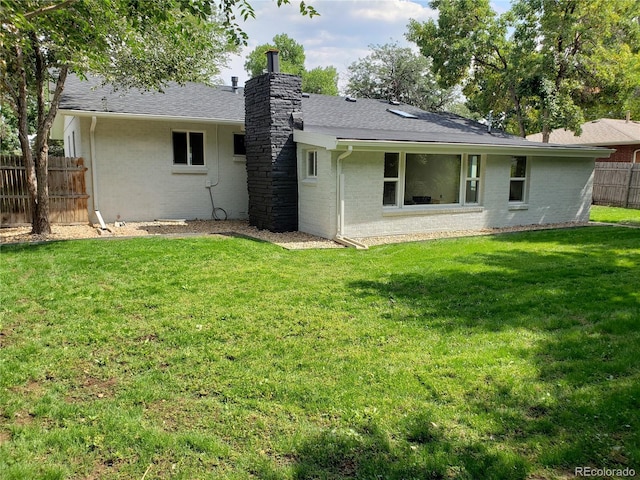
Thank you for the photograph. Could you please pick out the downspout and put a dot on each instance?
(635, 156)
(340, 203)
(94, 172)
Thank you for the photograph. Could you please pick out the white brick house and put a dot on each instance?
(364, 167)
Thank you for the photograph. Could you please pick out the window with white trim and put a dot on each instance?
(518, 179)
(391, 179)
(312, 164)
(188, 148)
(426, 178)
(472, 182)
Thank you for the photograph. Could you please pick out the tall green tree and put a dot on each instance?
(545, 63)
(290, 53)
(130, 43)
(322, 80)
(392, 72)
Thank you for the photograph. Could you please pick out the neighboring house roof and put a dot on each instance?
(602, 132)
(327, 120)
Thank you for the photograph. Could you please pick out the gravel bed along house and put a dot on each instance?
(290, 240)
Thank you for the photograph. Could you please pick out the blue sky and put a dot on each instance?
(339, 36)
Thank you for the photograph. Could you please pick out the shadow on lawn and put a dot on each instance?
(422, 453)
(583, 306)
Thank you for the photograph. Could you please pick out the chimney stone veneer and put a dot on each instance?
(270, 101)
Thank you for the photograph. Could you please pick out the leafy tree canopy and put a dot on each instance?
(130, 43)
(543, 64)
(292, 57)
(392, 72)
(322, 80)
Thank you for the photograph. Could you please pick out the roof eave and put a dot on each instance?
(144, 116)
(525, 150)
(329, 142)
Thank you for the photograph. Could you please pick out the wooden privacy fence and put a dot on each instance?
(67, 192)
(617, 184)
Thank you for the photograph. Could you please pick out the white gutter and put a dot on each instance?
(94, 172)
(142, 116)
(635, 156)
(340, 204)
(331, 142)
(524, 150)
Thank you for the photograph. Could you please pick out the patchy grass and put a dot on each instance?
(505, 357)
(624, 216)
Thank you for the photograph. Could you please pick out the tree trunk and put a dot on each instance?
(41, 223)
(23, 135)
(516, 102)
(546, 131)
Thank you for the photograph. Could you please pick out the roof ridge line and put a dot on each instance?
(614, 125)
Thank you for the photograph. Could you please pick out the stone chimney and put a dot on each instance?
(272, 101)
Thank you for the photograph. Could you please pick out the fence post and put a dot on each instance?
(626, 196)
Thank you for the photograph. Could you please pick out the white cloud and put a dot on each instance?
(390, 11)
(339, 36)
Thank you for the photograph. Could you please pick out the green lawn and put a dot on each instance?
(507, 357)
(624, 216)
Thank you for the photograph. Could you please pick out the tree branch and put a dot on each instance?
(40, 77)
(501, 57)
(12, 93)
(48, 8)
(487, 64)
(55, 101)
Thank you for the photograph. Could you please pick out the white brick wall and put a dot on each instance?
(317, 197)
(137, 180)
(559, 190)
(72, 137)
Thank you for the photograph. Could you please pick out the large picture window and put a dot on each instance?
(517, 182)
(188, 148)
(425, 178)
(432, 179)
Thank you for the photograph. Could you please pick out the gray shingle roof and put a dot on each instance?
(368, 119)
(192, 100)
(364, 119)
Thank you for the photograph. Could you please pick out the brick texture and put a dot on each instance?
(270, 101)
